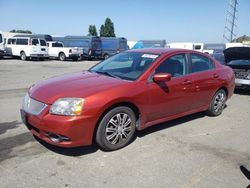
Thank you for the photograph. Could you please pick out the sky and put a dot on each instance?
(172, 20)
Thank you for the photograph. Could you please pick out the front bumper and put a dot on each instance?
(77, 129)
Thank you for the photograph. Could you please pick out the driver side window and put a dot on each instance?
(175, 65)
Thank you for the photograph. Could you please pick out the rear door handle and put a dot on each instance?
(187, 82)
(216, 75)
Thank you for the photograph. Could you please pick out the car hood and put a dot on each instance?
(79, 85)
(236, 53)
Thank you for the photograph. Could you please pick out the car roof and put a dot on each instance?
(161, 50)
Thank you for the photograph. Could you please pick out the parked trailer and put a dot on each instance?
(186, 45)
(91, 45)
(211, 48)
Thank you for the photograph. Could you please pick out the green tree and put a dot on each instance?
(20, 31)
(102, 31)
(107, 30)
(92, 30)
(242, 39)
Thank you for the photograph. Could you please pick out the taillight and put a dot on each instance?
(70, 50)
(90, 51)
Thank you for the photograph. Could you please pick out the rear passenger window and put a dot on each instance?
(175, 65)
(22, 42)
(11, 41)
(57, 44)
(35, 42)
(200, 63)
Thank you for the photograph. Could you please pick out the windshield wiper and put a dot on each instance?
(107, 73)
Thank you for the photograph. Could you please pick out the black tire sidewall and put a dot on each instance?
(101, 130)
(23, 56)
(211, 110)
(62, 56)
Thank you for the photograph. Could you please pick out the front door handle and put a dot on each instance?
(187, 82)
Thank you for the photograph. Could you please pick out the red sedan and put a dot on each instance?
(127, 92)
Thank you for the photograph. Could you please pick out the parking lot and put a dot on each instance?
(194, 151)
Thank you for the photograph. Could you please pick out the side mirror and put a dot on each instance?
(162, 77)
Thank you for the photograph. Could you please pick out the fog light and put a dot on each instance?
(57, 138)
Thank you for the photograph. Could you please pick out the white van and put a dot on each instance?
(26, 47)
(1, 45)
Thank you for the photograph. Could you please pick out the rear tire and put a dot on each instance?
(116, 129)
(23, 56)
(218, 103)
(62, 56)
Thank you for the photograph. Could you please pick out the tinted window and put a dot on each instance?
(200, 63)
(57, 44)
(175, 65)
(11, 41)
(1, 38)
(35, 42)
(197, 47)
(22, 42)
(43, 43)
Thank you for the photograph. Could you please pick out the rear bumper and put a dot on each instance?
(242, 83)
(74, 55)
(77, 129)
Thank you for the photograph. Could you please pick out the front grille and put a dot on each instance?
(241, 74)
(32, 106)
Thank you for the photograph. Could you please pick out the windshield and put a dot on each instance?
(126, 65)
(1, 39)
(239, 62)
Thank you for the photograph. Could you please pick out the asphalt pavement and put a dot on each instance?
(193, 151)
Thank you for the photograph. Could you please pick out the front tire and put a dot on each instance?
(116, 129)
(23, 56)
(218, 103)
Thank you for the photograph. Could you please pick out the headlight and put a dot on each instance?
(67, 106)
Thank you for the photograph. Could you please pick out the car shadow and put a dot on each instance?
(84, 150)
(73, 152)
(169, 124)
(242, 91)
